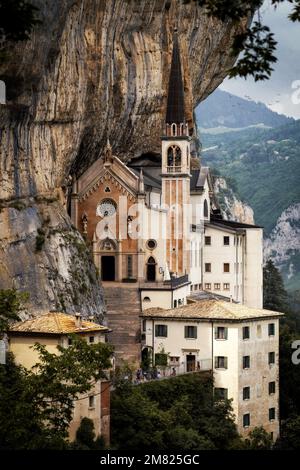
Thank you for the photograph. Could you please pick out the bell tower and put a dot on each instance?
(176, 170)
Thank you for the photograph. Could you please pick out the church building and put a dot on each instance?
(156, 229)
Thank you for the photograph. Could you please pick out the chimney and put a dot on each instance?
(78, 320)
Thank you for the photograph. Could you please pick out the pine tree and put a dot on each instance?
(275, 295)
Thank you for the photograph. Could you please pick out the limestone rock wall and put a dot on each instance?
(232, 207)
(93, 69)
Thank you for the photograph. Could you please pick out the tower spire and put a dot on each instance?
(175, 107)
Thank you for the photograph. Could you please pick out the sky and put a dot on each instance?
(282, 92)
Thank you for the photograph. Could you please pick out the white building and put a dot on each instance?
(154, 225)
(233, 261)
(240, 345)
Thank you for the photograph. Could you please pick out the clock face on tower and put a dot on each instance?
(106, 208)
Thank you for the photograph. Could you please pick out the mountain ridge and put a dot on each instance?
(222, 109)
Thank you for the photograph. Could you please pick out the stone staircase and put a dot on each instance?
(123, 309)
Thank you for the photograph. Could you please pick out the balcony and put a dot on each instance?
(173, 169)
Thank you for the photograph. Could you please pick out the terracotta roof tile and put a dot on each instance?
(212, 310)
(55, 323)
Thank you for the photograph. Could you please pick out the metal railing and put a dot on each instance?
(174, 169)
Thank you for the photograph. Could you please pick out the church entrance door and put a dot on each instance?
(108, 268)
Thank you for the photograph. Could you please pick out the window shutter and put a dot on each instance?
(225, 362)
(226, 333)
(195, 332)
(216, 362)
(186, 332)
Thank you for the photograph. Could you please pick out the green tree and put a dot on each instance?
(11, 303)
(290, 434)
(17, 19)
(176, 413)
(275, 296)
(86, 437)
(257, 42)
(36, 405)
(259, 439)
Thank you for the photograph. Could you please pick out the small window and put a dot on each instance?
(271, 329)
(226, 267)
(272, 414)
(208, 286)
(221, 393)
(146, 299)
(272, 357)
(246, 393)
(258, 331)
(246, 362)
(144, 325)
(91, 401)
(151, 244)
(161, 331)
(217, 286)
(246, 332)
(70, 341)
(161, 359)
(175, 303)
(246, 420)
(174, 359)
(208, 267)
(272, 388)
(129, 266)
(226, 286)
(226, 241)
(92, 339)
(221, 362)
(221, 332)
(208, 241)
(190, 332)
(205, 209)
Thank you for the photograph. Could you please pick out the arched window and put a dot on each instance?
(174, 130)
(174, 156)
(205, 209)
(151, 269)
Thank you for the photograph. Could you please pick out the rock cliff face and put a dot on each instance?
(232, 207)
(93, 69)
(283, 246)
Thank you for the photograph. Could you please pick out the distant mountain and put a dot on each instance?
(222, 109)
(263, 168)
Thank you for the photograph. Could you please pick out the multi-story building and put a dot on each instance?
(53, 329)
(232, 261)
(156, 232)
(240, 345)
